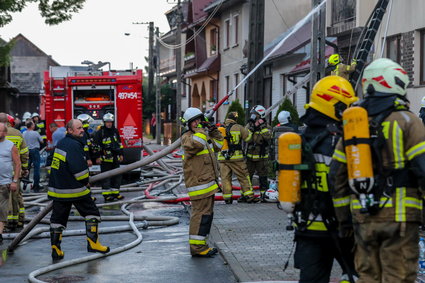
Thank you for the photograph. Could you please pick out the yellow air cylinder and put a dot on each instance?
(223, 133)
(289, 155)
(357, 149)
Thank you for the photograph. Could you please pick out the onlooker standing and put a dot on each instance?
(153, 125)
(9, 174)
(58, 133)
(33, 141)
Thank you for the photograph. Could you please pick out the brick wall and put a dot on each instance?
(407, 44)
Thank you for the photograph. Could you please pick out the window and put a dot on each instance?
(236, 29)
(227, 87)
(213, 41)
(393, 48)
(422, 58)
(236, 83)
(227, 34)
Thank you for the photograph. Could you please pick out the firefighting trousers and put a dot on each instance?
(239, 168)
(386, 252)
(262, 169)
(16, 207)
(315, 256)
(110, 186)
(61, 209)
(200, 224)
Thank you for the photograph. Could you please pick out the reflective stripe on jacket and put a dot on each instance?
(404, 136)
(258, 146)
(239, 133)
(200, 165)
(69, 171)
(17, 138)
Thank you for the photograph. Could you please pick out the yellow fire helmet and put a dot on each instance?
(331, 96)
(334, 59)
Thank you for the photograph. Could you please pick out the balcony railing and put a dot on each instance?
(167, 65)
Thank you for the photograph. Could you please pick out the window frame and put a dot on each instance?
(389, 39)
(235, 30)
(226, 34)
(422, 57)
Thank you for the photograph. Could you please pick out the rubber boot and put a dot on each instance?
(252, 199)
(228, 201)
(119, 197)
(108, 198)
(55, 240)
(93, 244)
(207, 253)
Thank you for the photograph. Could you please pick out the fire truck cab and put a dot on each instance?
(73, 90)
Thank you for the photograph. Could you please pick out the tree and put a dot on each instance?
(287, 106)
(53, 11)
(237, 107)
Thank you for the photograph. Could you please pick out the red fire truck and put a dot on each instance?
(73, 90)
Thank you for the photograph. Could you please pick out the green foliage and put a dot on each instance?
(287, 106)
(4, 53)
(236, 106)
(53, 11)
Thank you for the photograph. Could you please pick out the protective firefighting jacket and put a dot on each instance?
(108, 143)
(200, 166)
(258, 146)
(89, 145)
(401, 170)
(277, 131)
(238, 133)
(40, 127)
(69, 171)
(16, 137)
(315, 211)
(343, 70)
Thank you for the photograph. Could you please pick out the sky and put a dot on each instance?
(96, 33)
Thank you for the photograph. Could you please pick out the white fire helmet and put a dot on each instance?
(108, 117)
(384, 77)
(192, 113)
(35, 114)
(260, 110)
(27, 115)
(271, 195)
(284, 117)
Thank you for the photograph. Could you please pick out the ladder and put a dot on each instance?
(367, 42)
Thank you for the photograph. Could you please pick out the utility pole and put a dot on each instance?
(178, 65)
(151, 67)
(256, 52)
(158, 91)
(318, 38)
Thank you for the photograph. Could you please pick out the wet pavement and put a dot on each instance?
(163, 256)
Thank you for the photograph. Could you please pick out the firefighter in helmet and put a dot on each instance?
(109, 156)
(386, 226)
(285, 125)
(25, 117)
(40, 126)
(341, 69)
(317, 244)
(200, 169)
(232, 161)
(87, 138)
(257, 149)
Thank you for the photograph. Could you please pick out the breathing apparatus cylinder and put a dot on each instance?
(359, 155)
(225, 147)
(290, 156)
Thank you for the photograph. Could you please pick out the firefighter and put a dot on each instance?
(68, 186)
(89, 147)
(200, 176)
(317, 243)
(109, 156)
(258, 147)
(25, 118)
(40, 126)
(341, 69)
(422, 110)
(232, 160)
(285, 125)
(16, 216)
(386, 230)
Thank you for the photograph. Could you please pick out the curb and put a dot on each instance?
(228, 256)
